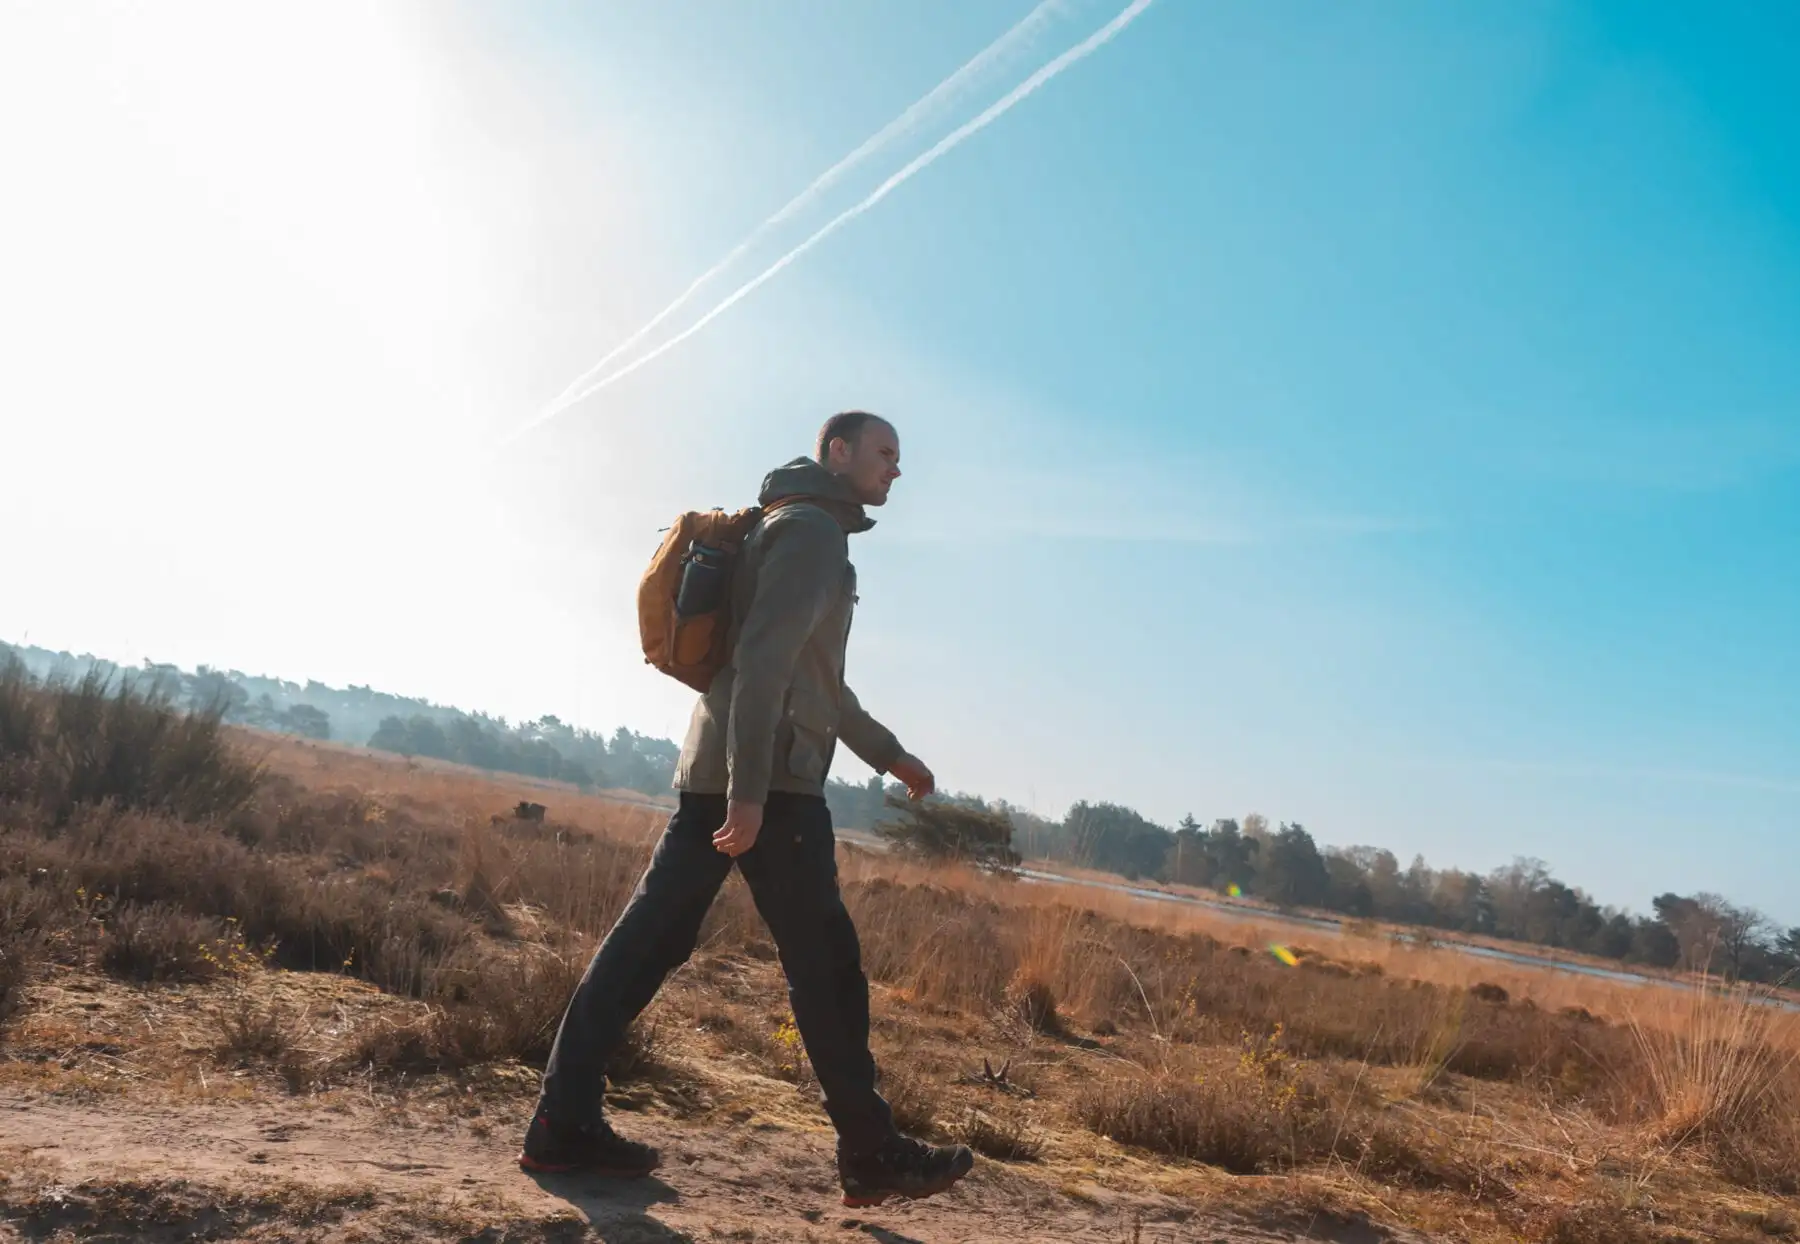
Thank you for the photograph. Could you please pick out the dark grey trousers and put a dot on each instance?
(792, 874)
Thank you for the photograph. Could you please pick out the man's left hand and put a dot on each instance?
(913, 774)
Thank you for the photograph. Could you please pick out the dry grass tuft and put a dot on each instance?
(488, 883)
(773, 1045)
(487, 1007)
(641, 1057)
(1595, 1224)
(1037, 1007)
(916, 1101)
(1180, 1117)
(1007, 1136)
(1714, 1068)
(1258, 1112)
(1391, 1154)
(252, 1030)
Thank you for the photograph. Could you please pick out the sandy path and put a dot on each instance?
(737, 1182)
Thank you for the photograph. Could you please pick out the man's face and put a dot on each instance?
(871, 465)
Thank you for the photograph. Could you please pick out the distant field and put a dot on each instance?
(361, 945)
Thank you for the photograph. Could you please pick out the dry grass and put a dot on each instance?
(160, 943)
(365, 921)
(917, 1102)
(91, 742)
(1721, 1073)
(18, 956)
(1712, 1059)
(1255, 1112)
(1006, 1135)
(251, 1030)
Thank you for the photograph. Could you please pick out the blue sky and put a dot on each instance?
(1381, 417)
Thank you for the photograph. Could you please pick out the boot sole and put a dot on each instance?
(538, 1167)
(874, 1199)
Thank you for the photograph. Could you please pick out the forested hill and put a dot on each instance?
(543, 748)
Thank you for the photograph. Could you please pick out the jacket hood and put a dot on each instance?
(804, 477)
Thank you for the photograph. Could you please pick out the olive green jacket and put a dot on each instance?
(773, 716)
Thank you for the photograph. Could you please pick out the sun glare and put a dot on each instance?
(245, 267)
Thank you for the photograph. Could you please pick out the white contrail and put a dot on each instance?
(950, 141)
(1020, 33)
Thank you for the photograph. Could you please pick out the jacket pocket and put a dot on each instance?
(813, 720)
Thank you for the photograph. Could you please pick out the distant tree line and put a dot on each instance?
(545, 748)
(1283, 865)
(470, 742)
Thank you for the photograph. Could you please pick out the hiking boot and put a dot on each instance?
(551, 1149)
(901, 1167)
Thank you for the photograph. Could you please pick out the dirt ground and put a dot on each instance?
(282, 1170)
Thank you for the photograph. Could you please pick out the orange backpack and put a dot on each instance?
(684, 598)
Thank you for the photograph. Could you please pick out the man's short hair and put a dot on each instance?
(847, 424)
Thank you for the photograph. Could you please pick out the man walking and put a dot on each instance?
(752, 782)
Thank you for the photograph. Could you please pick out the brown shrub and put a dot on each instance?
(157, 942)
(345, 826)
(313, 919)
(487, 1007)
(30, 905)
(29, 916)
(19, 955)
(63, 746)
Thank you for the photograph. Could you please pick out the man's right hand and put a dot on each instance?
(743, 822)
